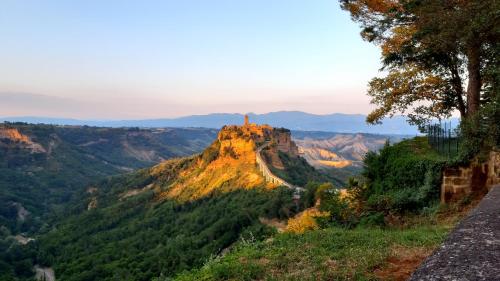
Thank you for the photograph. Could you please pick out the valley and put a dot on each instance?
(188, 208)
(250, 140)
(63, 182)
(339, 154)
(43, 166)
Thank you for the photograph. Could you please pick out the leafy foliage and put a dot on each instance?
(428, 59)
(16, 261)
(481, 133)
(330, 201)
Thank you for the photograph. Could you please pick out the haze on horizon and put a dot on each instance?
(129, 59)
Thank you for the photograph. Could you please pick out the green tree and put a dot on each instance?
(439, 55)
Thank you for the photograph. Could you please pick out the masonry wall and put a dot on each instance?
(474, 179)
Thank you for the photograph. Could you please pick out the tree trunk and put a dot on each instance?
(457, 86)
(474, 85)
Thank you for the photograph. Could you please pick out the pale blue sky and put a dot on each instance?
(147, 59)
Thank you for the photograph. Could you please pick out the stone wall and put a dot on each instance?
(493, 170)
(475, 179)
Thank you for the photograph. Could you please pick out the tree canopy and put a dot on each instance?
(438, 55)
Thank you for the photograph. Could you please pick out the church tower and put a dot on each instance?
(246, 120)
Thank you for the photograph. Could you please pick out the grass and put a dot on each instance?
(329, 254)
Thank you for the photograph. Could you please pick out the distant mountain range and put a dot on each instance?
(294, 120)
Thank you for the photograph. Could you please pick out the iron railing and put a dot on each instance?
(443, 138)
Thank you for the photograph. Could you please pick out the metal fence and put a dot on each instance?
(443, 138)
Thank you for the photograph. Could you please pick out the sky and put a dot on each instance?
(123, 59)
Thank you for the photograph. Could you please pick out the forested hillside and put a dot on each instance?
(173, 216)
(41, 166)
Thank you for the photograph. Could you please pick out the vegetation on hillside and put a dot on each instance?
(43, 168)
(16, 260)
(67, 159)
(139, 238)
(379, 229)
(333, 253)
(404, 177)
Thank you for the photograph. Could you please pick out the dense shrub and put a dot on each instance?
(330, 200)
(404, 177)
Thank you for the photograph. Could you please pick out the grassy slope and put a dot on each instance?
(337, 253)
(329, 254)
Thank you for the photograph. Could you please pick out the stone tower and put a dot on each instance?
(246, 120)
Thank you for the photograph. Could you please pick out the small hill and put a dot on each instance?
(230, 163)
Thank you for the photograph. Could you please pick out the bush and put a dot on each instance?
(330, 201)
(211, 153)
(404, 177)
(372, 219)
